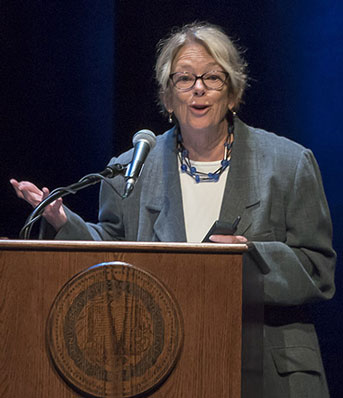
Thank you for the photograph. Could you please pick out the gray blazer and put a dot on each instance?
(275, 185)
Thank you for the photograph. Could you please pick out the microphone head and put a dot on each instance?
(145, 135)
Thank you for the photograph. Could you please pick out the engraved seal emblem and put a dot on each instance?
(114, 330)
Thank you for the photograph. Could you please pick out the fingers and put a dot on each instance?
(51, 208)
(228, 239)
(25, 186)
(15, 185)
(54, 207)
(14, 182)
(45, 193)
(55, 214)
(27, 191)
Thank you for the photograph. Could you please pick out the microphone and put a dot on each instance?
(143, 141)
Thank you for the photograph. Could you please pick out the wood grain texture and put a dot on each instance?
(207, 284)
(123, 246)
(115, 331)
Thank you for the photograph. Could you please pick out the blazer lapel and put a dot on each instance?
(162, 218)
(162, 196)
(241, 193)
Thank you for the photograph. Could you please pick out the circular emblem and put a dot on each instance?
(114, 330)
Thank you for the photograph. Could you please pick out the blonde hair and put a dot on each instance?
(217, 43)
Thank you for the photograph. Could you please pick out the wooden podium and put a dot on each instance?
(218, 296)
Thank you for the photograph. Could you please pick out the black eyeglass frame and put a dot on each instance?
(201, 77)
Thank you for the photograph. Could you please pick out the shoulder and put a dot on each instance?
(269, 141)
(272, 156)
(269, 146)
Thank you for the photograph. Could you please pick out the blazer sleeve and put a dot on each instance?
(301, 269)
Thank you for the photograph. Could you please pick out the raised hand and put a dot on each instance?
(53, 213)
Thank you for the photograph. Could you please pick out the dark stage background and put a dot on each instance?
(77, 83)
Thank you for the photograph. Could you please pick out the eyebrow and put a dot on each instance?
(187, 65)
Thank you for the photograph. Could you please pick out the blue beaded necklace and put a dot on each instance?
(198, 176)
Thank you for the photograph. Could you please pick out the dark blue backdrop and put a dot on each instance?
(77, 82)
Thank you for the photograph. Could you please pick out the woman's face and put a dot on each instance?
(198, 109)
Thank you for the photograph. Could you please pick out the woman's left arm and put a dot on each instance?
(302, 266)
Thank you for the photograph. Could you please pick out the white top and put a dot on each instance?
(201, 201)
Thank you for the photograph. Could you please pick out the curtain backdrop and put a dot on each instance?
(77, 83)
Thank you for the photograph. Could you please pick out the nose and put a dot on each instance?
(199, 88)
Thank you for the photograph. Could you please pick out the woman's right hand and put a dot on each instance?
(53, 213)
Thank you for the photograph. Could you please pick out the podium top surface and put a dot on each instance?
(53, 245)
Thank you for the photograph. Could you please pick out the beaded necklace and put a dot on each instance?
(198, 176)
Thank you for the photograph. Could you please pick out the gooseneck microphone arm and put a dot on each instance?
(86, 181)
(143, 141)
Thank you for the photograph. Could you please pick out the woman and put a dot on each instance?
(210, 166)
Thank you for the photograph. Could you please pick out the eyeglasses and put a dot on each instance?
(213, 80)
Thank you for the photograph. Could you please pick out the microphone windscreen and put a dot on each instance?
(145, 135)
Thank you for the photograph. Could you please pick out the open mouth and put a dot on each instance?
(198, 108)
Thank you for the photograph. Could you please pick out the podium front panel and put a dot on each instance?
(206, 282)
